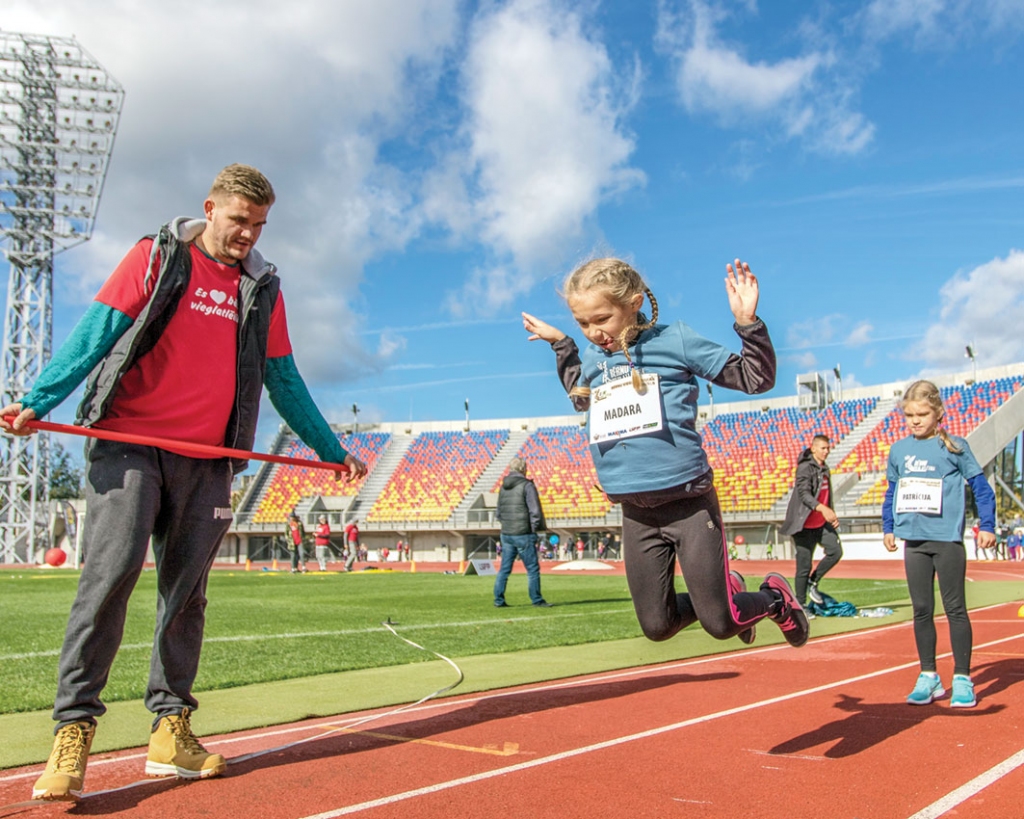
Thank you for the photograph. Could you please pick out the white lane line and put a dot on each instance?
(611, 743)
(249, 638)
(966, 791)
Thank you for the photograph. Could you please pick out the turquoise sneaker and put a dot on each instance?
(928, 688)
(963, 692)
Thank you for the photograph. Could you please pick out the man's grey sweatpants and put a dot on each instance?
(133, 492)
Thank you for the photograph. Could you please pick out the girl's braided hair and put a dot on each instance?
(927, 393)
(621, 282)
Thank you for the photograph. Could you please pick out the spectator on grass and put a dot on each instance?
(294, 538)
(322, 542)
(181, 339)
(352, 539)
(810, 519)
(521, 518)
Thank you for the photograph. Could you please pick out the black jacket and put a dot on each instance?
(809, 478)
(519, 509)
(171, 262)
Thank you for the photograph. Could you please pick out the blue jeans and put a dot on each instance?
(525, 546)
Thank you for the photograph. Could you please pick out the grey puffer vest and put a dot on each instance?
(512, 506)
(171, 263)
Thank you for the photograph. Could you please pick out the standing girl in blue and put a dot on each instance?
(639, 381)
(924, 505)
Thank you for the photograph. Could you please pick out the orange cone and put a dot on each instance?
(462, 566)
(248, 565)
(412, 567)
(273, 565)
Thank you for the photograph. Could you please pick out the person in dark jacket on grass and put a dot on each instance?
(521, 518)
(810, 519)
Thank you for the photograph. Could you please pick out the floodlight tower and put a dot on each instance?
(59, 110)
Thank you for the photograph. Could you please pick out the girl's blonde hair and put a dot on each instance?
(621, 283)
(927, 393)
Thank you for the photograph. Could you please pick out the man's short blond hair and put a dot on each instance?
(245, 181)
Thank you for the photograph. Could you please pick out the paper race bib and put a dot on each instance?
(919, 495)
(617, 410)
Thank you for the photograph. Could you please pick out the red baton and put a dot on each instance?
(181, 446)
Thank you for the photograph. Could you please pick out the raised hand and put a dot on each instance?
(741, 287)
(541, 330)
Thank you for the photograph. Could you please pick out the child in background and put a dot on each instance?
(648, 454)
(924, 505)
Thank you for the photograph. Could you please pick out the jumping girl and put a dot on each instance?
(924, 505)
(639, 381)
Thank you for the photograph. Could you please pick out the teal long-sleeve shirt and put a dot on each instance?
(98, 331)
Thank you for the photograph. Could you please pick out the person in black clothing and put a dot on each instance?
(810, 519)
(521, 518)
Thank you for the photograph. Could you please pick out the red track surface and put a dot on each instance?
(820, 731)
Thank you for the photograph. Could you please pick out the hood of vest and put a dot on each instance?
(188, 229)
(513, 479)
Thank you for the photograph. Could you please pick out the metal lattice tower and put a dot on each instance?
(59, 111)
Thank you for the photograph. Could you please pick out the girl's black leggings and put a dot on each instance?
(924, 560)
(660, 528)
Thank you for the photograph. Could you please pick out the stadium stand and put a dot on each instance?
(754, 455)
(752, 446)
(289, 484)
(435, 474)
(560, 466)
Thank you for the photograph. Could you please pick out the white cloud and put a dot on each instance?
(941, 23)
(541, 146)
(307, 92)
(805, 361)
(861, 334)
(803, 96)
(982, 308)
(813, 332)
(883, 18)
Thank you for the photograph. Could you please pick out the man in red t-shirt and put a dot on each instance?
(810, 519)
(180, 341)
(352, 542)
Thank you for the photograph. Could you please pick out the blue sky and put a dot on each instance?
(440, 166)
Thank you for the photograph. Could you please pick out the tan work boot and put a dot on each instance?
(175, 751)
(65, 769)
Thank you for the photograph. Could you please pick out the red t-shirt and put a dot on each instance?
(816, 519)
(184, 387)
(352, 533)
(323, 534)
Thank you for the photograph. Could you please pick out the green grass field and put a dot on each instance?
(263, 626)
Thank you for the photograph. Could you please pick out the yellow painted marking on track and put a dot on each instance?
(999, 653)
(509, 748)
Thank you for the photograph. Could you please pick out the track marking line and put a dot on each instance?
(611, 743)
(508, 749)
(969, 789)
(808, 757)
(1002, 654)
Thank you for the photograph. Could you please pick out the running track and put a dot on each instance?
(775, 732)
